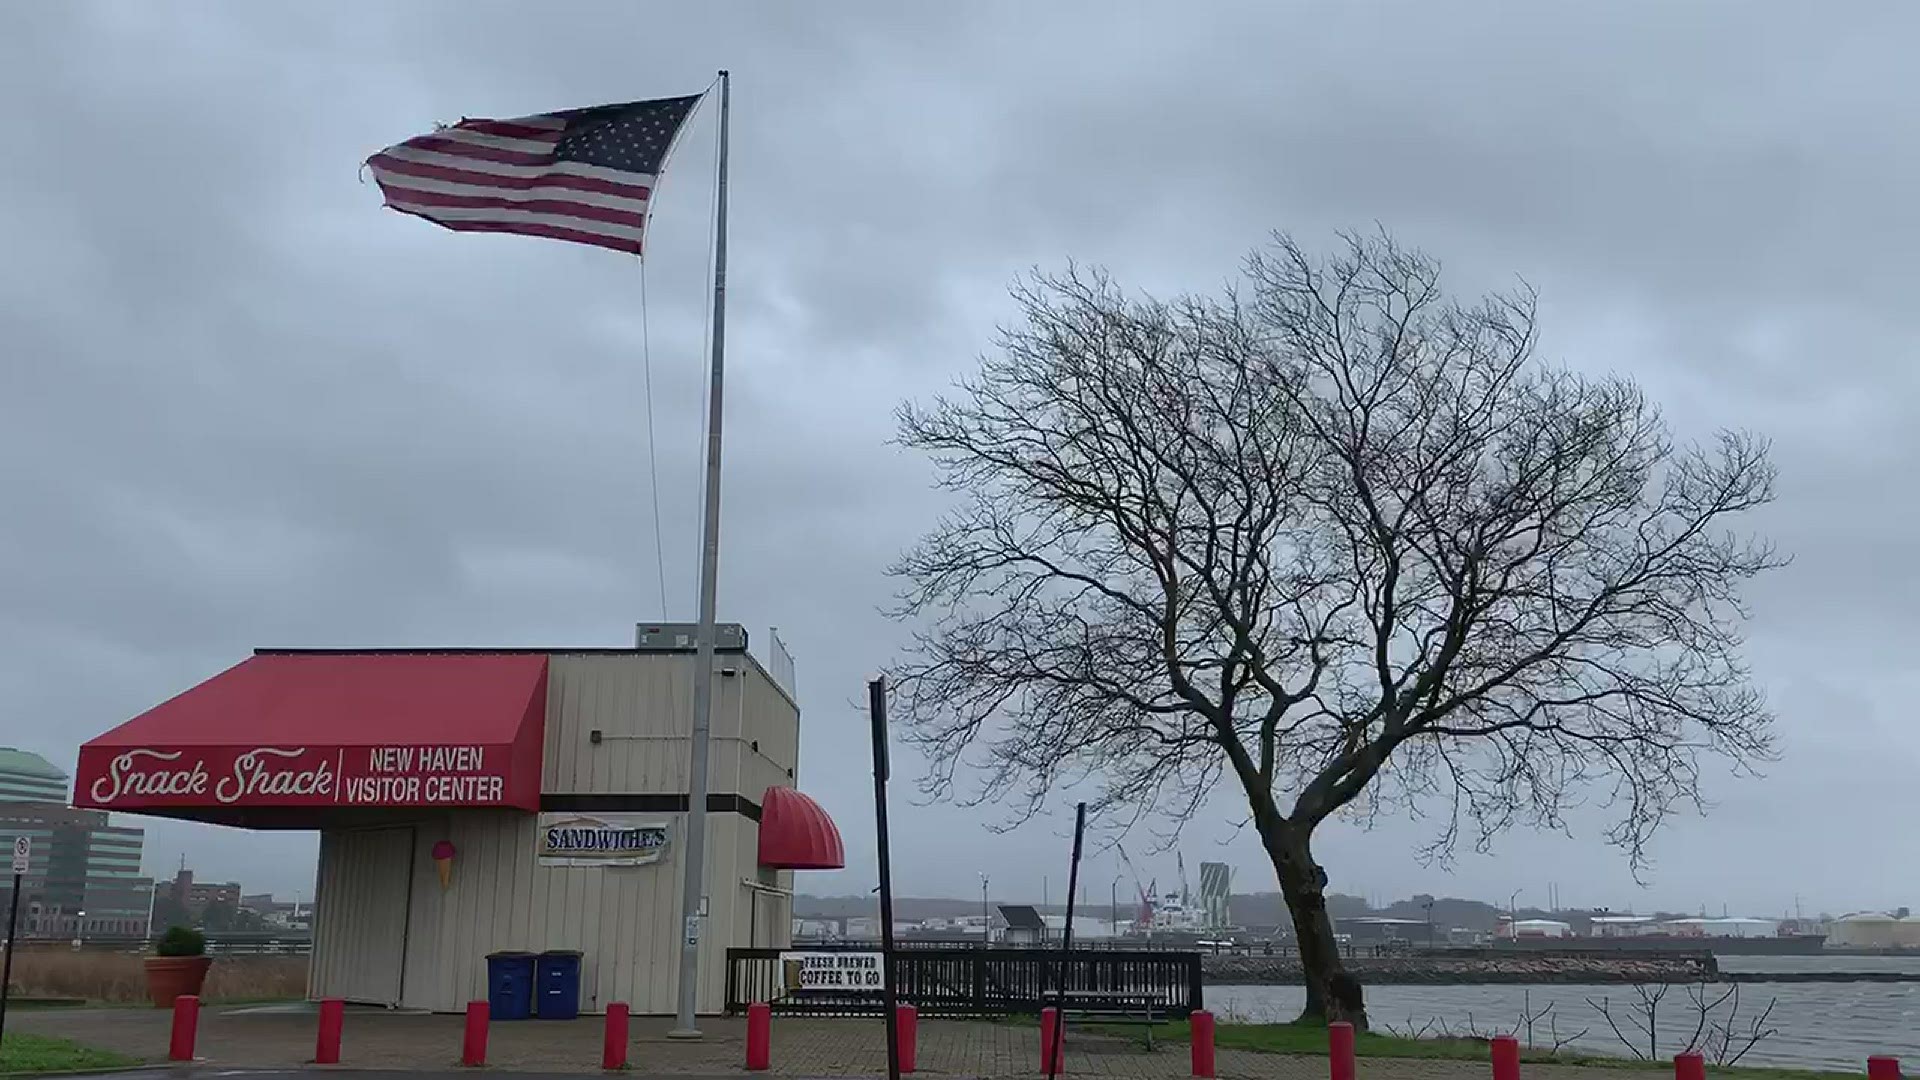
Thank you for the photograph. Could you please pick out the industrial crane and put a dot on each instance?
(1144, 919)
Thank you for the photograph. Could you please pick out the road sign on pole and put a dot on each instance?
(22, 857)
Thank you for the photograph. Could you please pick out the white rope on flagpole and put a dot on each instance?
(646, 356)
(653, 458)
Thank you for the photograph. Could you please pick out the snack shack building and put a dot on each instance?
(480, 801)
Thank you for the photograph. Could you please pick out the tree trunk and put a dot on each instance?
(1332, 993)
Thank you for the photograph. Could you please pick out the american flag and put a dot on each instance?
(584, 175)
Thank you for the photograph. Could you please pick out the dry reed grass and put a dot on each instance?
(120, 978)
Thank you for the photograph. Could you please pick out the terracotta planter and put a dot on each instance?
(168, 977)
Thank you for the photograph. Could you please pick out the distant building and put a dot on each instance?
(1216, 886)
(1024, 925)
(1722, 927)
(1376, 929)
(1085, 927)
(1866, 930)
(27, 777)
(1533, 928)
(816, 930)
(195, 897)
(83, 876)
(277, 914)
(1621, 925)
(1466, 935)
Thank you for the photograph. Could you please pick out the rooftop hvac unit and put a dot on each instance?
(683, 637)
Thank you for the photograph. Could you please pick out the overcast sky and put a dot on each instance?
(241, 405)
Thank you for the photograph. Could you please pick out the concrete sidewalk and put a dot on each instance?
(282, 1037)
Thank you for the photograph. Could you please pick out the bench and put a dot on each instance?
(1109, 1007)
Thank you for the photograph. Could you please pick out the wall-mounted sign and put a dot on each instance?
(831, 970)
(570, 839)
(296, 776)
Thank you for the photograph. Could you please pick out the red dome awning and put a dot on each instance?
(796, 834)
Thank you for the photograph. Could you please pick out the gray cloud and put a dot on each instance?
(242, 405)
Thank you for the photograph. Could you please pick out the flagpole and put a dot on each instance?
(693, 892)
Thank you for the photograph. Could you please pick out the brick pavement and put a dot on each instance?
(282, 1037)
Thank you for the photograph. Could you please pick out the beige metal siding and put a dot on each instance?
(641, 702)
(424, 920)
(642, 705)
(625, 920)
(362, 895)
(769, 728)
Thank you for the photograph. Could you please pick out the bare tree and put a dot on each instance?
(1729, 1040)
(1721, 1042)
(1334, 536)
(1644, 1015)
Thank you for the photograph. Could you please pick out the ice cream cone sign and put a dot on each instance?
(443, 861)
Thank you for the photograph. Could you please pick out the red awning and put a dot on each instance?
(299, 740)
(796, 834)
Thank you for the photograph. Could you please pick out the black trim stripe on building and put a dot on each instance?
(648, 804)
(463, 650)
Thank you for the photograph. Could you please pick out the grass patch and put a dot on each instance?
(21, 1052)
(1312, 1039)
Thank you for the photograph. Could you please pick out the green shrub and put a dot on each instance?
(181, 941)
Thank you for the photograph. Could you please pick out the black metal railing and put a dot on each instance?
(224, 944)
(963, 982)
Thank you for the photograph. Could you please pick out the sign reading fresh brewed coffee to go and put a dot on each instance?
(296, 776)
(573, 839)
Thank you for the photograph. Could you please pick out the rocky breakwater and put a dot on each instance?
(1470, 966)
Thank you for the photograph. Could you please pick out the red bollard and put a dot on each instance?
(907, 1024)
(1883, 1068)
(186, 1023)
(1201, 1026)
(473, 1049)
(1053, 1040)
(1340, 1050)
(333, 1017)
(613, 1054)
(759, 1036)
(1506, 1058)
(1689, 1066)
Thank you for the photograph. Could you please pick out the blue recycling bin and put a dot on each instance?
(557, 982)
(510, 985)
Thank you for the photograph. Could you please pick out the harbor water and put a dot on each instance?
(1817, 1025)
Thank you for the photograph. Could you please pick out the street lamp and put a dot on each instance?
(1113, 905)
(1513, 914)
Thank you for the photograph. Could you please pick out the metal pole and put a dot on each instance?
(1066, 945)
(693, 891)
(6, 974)
(986, 920)
(877, 706)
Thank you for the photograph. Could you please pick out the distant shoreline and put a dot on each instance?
(1537, 968)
